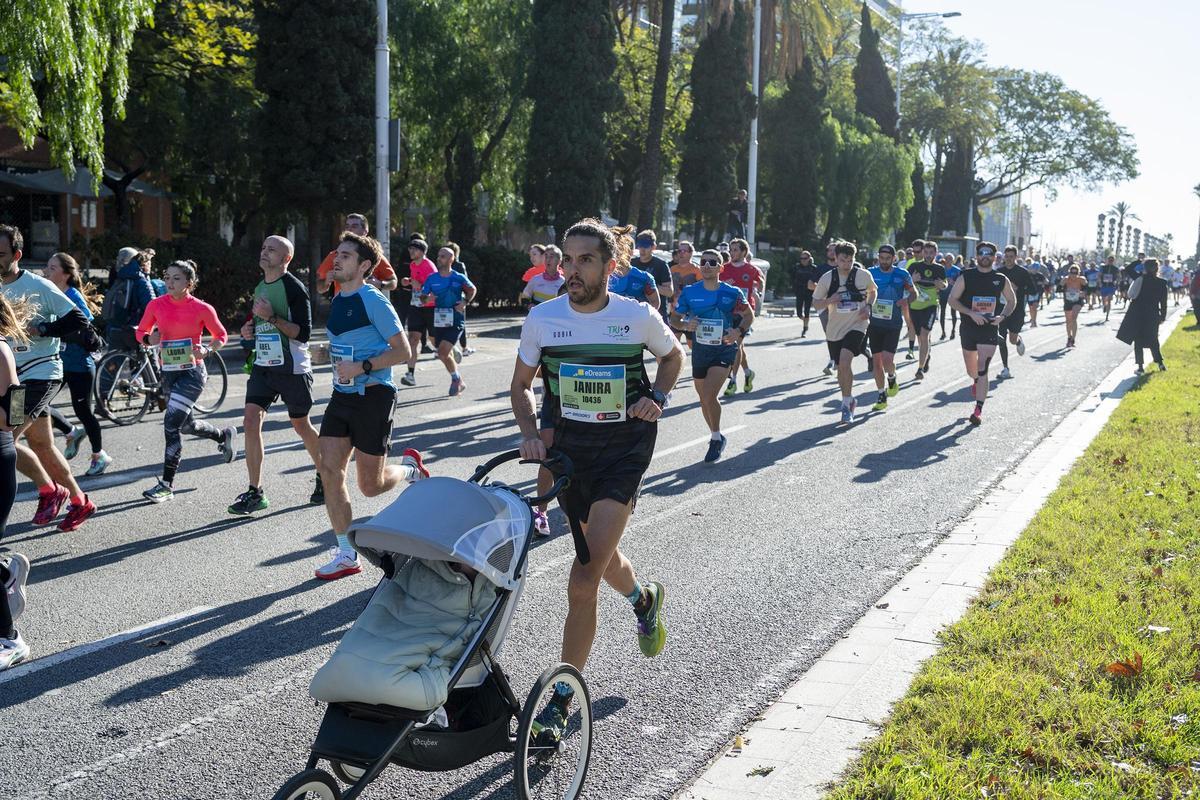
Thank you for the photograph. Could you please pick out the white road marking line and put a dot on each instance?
(467, 409)
(692, 443)
(30, 667)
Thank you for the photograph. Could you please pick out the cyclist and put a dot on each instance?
(742, 274)
(895, 290)
(79, 368)
(1014, 317)
(929, 277)
(279, 327)
(177, 322)
(451, 291)
(1110, 279)
(848, 293)
(14, 567)
(705, 311)
(590, 345)
(383, 277)
(1073, 286)
(978, 295)
(365, 342)
(39, 368)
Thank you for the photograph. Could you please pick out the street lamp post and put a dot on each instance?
(383, 198)
(900, 19)
(752, 185)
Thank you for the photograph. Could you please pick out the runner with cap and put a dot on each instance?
(984, 298)
(929, 277)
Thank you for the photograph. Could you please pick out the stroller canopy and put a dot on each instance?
(446, 519)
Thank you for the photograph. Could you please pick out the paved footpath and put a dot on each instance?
(174, 643)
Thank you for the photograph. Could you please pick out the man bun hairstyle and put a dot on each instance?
(614, 241)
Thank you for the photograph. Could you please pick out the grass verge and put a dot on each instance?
(1076, 673)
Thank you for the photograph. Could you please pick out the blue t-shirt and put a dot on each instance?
(74, 357)
(892, 287)
(632, 284)
(447, 291)
(1093, 277)
(716, 305)
(359, 327)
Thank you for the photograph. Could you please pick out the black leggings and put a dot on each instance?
(80, 386)
(953, 313)
(183, 388)
(8, 493)
(1155, 353)
(804, 305)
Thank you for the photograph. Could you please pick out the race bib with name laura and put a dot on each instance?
(592, 392)
(176, 355)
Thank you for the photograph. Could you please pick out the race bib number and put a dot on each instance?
(983, 305)
(176, 355)
(1108, 278)
(268, 349)
(416, 295)
(443, 318)
(922, 293)
(592, 393)
(710, 331)
(883, 309)
(846, 305)
(1092, 282)
(1073, 295)
(340, 352)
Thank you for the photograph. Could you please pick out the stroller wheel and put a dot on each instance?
(554, 762)
(312, 784)
(346, 773)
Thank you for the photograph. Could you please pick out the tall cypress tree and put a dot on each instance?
(916, 220)
(719, 122)
(874, 95)
(952, 204)
(572, 88)
(794, 156)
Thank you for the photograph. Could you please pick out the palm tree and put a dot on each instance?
(1196, 191)
(790, 29)
(1122, 211)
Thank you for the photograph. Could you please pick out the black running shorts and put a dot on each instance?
(923, 318)
(38, 396)
(609, 460)
(364, 419)
(971, 335)
(854, 341)
(1014, 322)
(420, 320)
(266, 386)
(883, 340)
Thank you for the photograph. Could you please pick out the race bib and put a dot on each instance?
(416, 295)
(922, 294)
(443, 318)
(983, 305)
(1073, 295)
(883, 309)
(1092, 282)
(710, 331)
(1108, 278)
(268, 349)
(592, 393)
(340, 352)
(846, 305)
(176, 355)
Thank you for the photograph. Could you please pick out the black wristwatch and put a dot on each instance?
(659, 398)
(367, 366)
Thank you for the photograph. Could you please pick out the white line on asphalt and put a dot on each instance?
(467, 410)
(692, 443)
(63, 656)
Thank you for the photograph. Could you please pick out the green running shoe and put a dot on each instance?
(731, 389)
(159, 493)
(249, 501)
(652, 632)
(551, 722)
(881, 403)
(749, 385)
(893, 387)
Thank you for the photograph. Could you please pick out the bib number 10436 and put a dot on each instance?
(592, 392)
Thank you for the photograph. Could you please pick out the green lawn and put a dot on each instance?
(1076, 673)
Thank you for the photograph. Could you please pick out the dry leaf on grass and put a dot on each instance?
(1126, 669)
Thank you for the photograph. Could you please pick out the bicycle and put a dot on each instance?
(129, 383)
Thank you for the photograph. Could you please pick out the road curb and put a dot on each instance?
(801, 743)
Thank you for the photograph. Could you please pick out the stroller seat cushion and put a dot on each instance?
(403, 647)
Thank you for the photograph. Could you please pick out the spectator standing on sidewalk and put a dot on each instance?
(1147, 310)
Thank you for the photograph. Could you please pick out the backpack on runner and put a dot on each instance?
(115, 311)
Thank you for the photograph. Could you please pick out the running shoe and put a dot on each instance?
(412, 458)
(829, 367)
(249, 501)
(1071, 342)
(893, 387)
(943, 337)
(1020, 346)
(159, 493)
(551, 722)
(1004, 373)
(342, 563)
(881, 403)
(1161, 366)
(976, 417)
(468, 351)
(456, 386)
(76, 436)
(1140, 370)
(951, 334)
(731, 389)
(317, 498)
(77, 515)
(928, 361)
(910, 355)
(804, 333)
(14, 588)
(13, 651)
(49, 505)
(715, 448)
(652, 631)
(848, 411)
(541, 523)
(100, 462)
(426, 349)
(748, 384)
(918, 375)
(409, 379)
(228, 444)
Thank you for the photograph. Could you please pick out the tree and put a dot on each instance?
(873, 182)
(1122, 211)
(651, 170)
(64, 64)
(952, 201)
(721, 103)
(317, 132)
(1196, 191)
(916, 219)
(791, 30)
(572, 89)
(874, 95)
(798, 158)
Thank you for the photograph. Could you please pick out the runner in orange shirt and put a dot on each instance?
(383, 278)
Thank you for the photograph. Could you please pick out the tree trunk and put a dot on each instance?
(462, 175)
(120, 190)
(652, 154)
(314, 248)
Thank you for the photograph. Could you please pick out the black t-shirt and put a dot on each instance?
(1110, 275)
(927, 274)
(982, 292)
(802, 274)
(1021, 280)
(660, 270)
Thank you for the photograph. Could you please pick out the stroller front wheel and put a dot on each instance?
(312, 784)
(553, 762)
(346, 773)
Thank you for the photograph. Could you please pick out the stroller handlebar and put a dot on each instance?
(558, 463)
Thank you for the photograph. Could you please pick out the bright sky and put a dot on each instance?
(1133, 57)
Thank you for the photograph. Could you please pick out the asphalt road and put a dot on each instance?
(767, 556)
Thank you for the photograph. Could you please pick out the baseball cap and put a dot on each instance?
(887, 248)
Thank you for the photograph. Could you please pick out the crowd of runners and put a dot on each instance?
(598, 300)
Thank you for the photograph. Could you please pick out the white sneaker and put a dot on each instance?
(1004, 373)
(829, 367)
(1020, 346)
(13, 651)
(341, 564)
(14, 588)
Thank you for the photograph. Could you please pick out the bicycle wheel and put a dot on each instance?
(215, 388)
(121, 392)
(549, 768)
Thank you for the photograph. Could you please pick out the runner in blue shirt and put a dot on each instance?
(365, 342)
(451, 291)
(953, 270)
(705, 311)
(636, 284)
(895, 288)
(1092, 275)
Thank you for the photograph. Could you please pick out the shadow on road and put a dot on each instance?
(916, 453)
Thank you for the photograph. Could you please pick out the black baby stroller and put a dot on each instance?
(464, 545)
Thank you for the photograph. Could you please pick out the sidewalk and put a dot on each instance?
(800, 744)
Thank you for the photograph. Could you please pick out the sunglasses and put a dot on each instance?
(986, 253)
(645, 243)
(709, 262)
